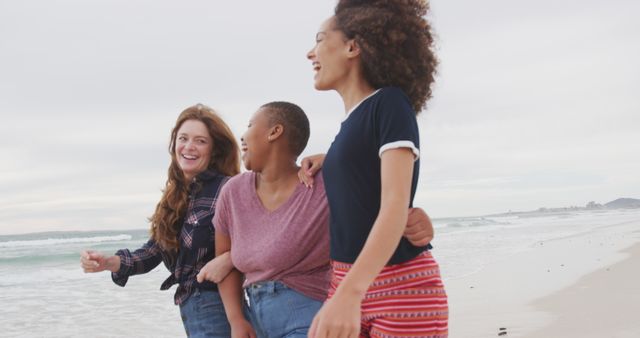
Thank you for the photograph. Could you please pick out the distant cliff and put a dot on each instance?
(620, 203)
(623, 203)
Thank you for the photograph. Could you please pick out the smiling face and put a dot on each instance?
(255, 141)
(331, 56)
(193, 146)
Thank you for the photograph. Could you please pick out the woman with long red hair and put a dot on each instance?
(204, 154)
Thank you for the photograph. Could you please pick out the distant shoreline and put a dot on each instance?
(618, 204)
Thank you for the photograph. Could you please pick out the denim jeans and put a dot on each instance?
(277, 311)
(203, 315)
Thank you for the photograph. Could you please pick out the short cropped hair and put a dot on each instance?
(294, 120)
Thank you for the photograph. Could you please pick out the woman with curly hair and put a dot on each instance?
(204, 154)
(378, 55)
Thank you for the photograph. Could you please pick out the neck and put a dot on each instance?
(278, 174)
(353, 90)
(188, 178)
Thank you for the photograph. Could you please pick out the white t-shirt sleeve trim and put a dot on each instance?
(401, 144)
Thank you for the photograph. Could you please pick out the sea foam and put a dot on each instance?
(59, 241)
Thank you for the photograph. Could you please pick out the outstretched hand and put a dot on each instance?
(93, 261)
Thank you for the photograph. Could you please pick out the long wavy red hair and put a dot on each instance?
(166, 221)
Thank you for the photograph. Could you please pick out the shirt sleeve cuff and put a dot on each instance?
(401, 144)
(122, 276)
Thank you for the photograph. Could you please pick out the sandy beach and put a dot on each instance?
(605, 303)
(582, 285)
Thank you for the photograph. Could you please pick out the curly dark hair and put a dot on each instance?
(396, 44)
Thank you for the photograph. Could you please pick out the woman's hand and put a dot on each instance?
(309, 167)
(419, 230)
(93, 261)
(216, 269)
(339, 317)
(241, 328)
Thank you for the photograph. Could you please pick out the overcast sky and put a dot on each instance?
(536, 103)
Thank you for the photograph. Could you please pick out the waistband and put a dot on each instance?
(423, 258)
(420, 270)
(266, 286)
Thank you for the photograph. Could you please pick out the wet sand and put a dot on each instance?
(605, 303)
(585, 285)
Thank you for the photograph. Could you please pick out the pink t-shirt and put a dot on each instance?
(289, 244)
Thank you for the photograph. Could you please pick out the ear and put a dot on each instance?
(275, 132)
(353, 49)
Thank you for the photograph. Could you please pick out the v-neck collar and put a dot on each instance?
(283, 206)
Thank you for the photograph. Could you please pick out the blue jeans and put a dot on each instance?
(203, 315)
(275, 310)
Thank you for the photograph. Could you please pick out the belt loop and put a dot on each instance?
(247, 295)
(278, 286)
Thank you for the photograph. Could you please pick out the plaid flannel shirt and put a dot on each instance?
(196, 243)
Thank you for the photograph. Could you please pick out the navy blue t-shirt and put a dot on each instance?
(351, 170)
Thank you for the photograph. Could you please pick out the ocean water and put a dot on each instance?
(464, 246)
(44, 293)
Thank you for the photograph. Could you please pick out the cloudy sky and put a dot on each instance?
(535, 105)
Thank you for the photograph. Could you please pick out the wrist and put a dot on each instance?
(228, 262)
(352, 292)
(236, 319)
(113, 264)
